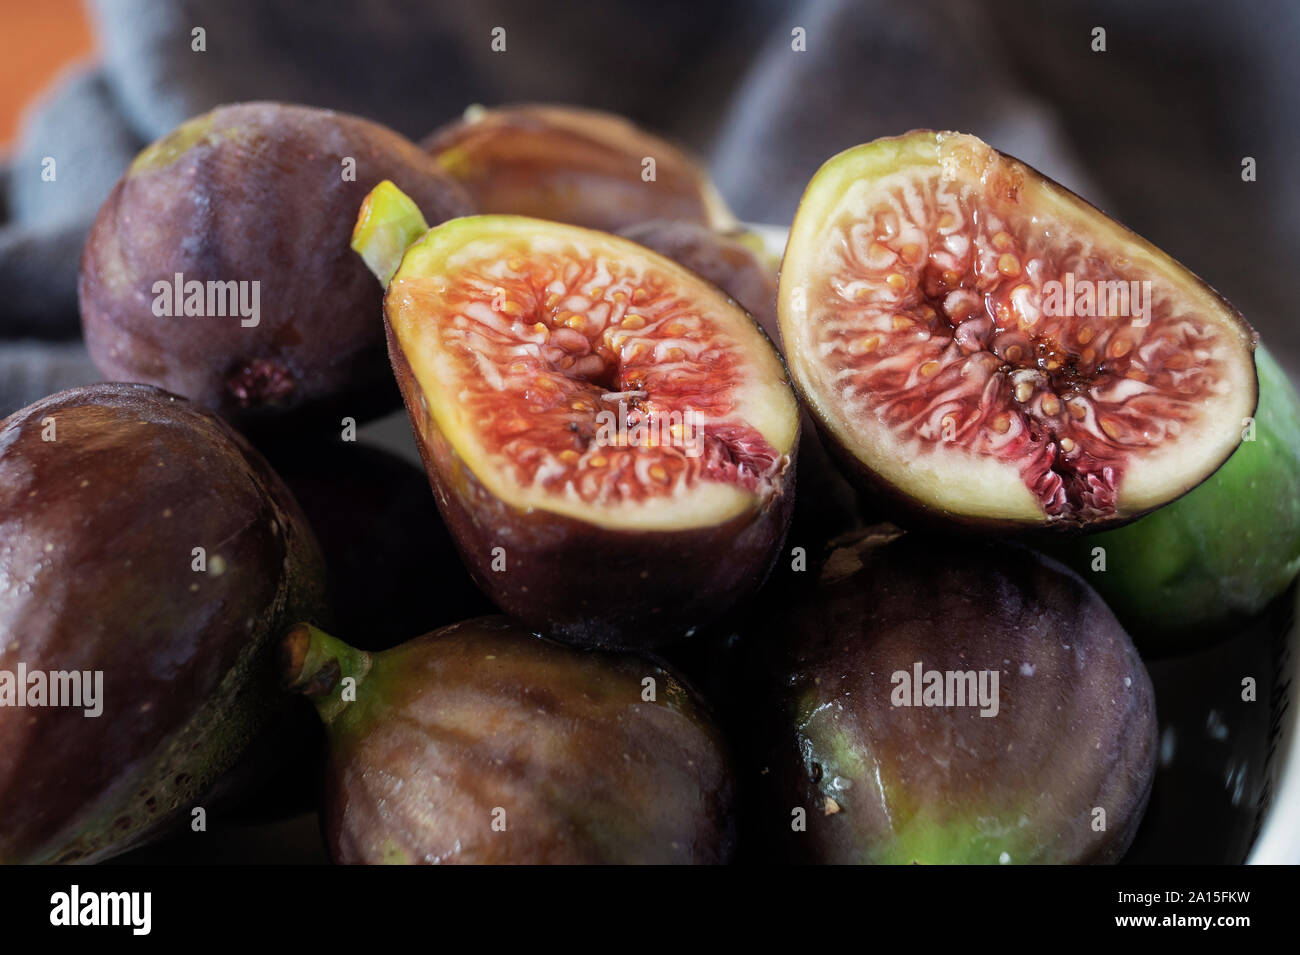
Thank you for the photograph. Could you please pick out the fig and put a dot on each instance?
(945, 701)
(984, 349)
(579, 166)
(392, 567)
(219, 267)
(482, 744)
(736, 262)
(107, 494)
(610, 439)
(1209, 562)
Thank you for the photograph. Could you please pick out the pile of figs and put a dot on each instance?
(850, 555)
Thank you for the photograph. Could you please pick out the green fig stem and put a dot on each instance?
(315, 664)
(388, 223)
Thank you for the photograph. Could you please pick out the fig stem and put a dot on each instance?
(387, 224)
(315, 664)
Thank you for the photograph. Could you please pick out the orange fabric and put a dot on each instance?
(37, 40)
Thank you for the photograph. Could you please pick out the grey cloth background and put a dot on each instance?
(1153, 130)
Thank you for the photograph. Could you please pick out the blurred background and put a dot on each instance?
(1154, 129)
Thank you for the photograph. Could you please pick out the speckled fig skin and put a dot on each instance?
(573, 165)
(569, 579)
(481, 722)
(98, 528)
(1075, 727)
(254, 192)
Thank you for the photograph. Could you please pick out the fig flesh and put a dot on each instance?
(736, 262)
(106, 492)
(611, 441)
(986, 348)
(579, 166)
(1211, 561)
(483, 744)
(935, 702)
(219, 267)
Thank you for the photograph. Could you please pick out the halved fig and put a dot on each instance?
(579, 166)
(979, 342)
(611, 440)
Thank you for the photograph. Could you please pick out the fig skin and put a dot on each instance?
(574, 165)
(455, 727)
(99, 526)
(897, 503)
(1075, 727)
(1202, 567)
(254, 192)
(393, 569)
(683, 579)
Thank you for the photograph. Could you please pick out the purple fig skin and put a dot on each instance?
(99, 526)
(574, 165)
(1075, 727)
(687, 578)
(483, 744)
(254, 192)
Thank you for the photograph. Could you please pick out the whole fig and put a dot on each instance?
(219, 268)
(481, 743)
(149, 558)
(942, 701)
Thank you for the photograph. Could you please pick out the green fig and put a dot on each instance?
(482, 743)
